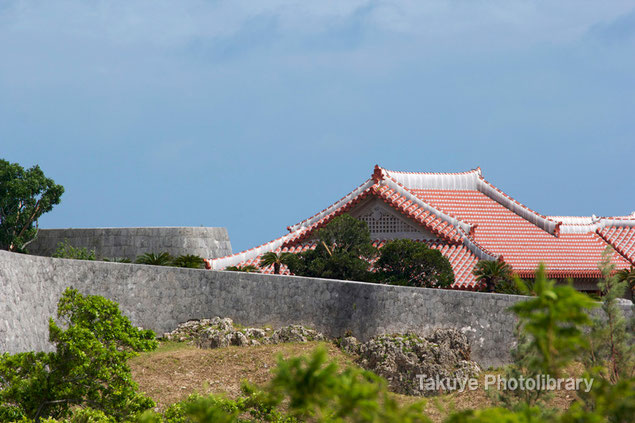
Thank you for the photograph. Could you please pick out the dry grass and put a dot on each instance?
(177, 370)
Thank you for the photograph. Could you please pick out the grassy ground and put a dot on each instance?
(176, 370)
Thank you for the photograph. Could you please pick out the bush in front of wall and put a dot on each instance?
(118, 260)
(190, 261)
(66, 250)
(412, 263)
(88, 368)
(155, 259)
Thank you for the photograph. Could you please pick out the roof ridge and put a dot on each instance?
(220, 263)
(323, 213)
(617, 248)
(473, 181)
(598, 224)
(478, 250)
(443, 232)
(546, 224)
(476, 170)
(440, 213)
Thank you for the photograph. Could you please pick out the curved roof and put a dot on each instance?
(471, 216)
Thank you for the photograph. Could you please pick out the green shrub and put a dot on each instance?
(190, 261)
(343, 251)
(155, 259)
(550, 335)
(494, 274)
(249, 268)
(66, 250)
(118, 260)
(411, 263)
(612, 343)
(88, 367)
(554, 320)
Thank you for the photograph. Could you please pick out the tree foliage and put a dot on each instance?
(88, 367)
(190, 261)
(549, 335)
(66, 250)
(628, 276)
(25, 195)
(275, 259)
(493, 274)
(553, 321)
(248, 268)
(612, 346)
(343, 251)
(155, 259)
(411, 263)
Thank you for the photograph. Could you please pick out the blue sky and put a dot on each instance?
(254, 115)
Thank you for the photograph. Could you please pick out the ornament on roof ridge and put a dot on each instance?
(378, 174)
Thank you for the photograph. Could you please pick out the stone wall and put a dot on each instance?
(132, 242)
(159, 298)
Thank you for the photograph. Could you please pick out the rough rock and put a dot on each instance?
(295, 333)
(400, 358)
(350, 344)
(221, 332)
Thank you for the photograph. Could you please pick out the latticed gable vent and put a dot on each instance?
(380, 222)
(383, 224)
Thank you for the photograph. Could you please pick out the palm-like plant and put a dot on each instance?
(118, 260)
(160, 259)
(190, 261)
(628, 276)
(492, 273)
(250, 268)
(275, 259)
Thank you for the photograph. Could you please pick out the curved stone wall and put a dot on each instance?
(132, 242)
(159, 298)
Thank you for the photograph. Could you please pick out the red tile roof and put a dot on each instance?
(473, 221)
(522, 244)
(622, 238)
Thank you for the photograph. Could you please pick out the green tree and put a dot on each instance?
(343, 251)
(274, 259)
(492, 273)
(155, 259)
(411, 263)
(553, 321)
(612, 346)
(88, 367)
(606, 402)
(25, 195)
(550, 335)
